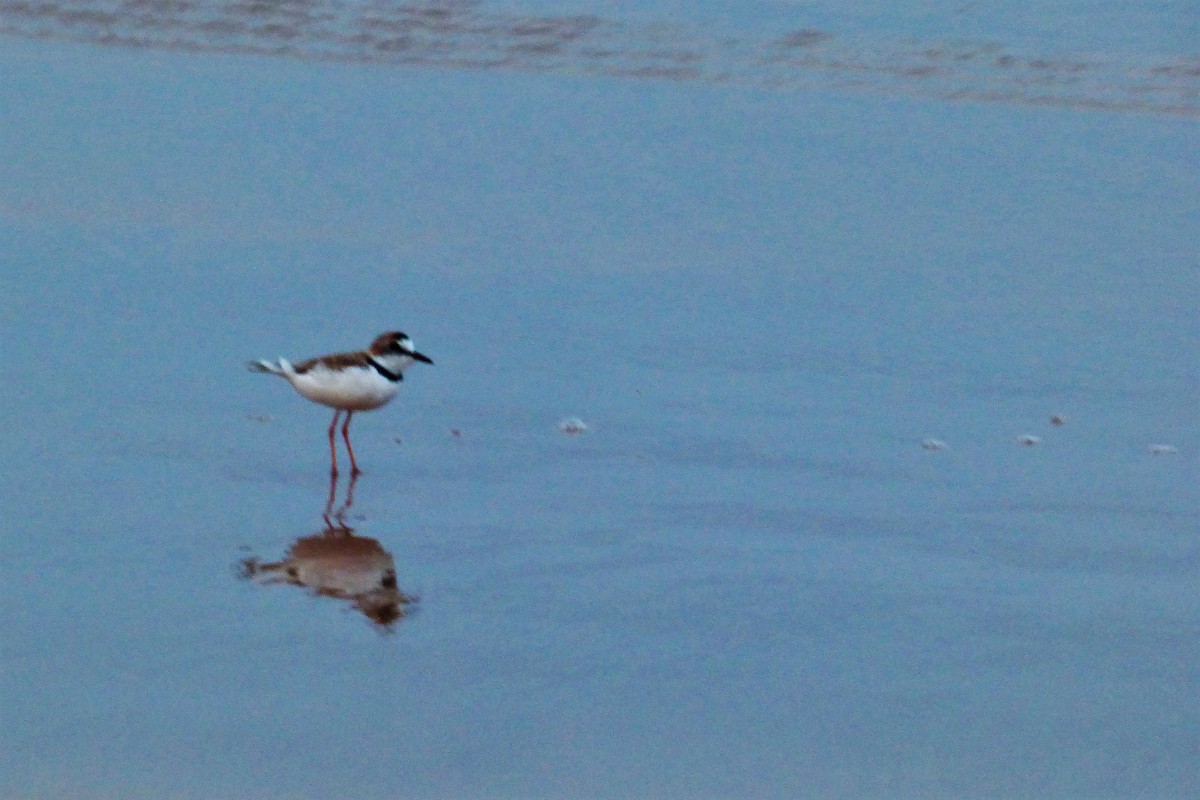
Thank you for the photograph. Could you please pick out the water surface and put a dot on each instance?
(747, 578)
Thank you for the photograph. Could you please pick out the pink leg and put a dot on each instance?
(333, 470)
(354, 470)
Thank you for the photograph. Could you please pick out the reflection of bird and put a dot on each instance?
(336, 563)
(349, 382)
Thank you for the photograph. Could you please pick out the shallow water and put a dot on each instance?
(1082, 54)
(746, 578)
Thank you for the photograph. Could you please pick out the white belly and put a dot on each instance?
(354, 389)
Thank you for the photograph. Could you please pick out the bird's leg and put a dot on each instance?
(333, 470)
(354, 470)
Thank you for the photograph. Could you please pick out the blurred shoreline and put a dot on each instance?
(468, 35)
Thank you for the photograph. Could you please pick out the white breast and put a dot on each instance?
(352, 389)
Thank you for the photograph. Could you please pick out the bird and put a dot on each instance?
(358, 381)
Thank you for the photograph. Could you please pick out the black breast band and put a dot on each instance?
(394, 377)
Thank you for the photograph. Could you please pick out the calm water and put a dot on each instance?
(1084, 53)
(761, 282)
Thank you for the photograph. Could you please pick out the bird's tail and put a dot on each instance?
(270, 367)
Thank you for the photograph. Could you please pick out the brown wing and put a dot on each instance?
(335, 361)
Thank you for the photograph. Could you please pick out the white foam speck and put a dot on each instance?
(572, 426)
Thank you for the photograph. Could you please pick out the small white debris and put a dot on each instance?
(572, 426)
(1162, 450)
(1029, 440)
(934, 444)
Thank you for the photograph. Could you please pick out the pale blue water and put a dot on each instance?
(747, 579)
(1083, 54)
